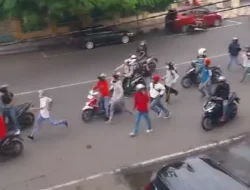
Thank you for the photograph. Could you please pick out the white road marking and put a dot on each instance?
(90, 81)
(152, 161)
(236, 23)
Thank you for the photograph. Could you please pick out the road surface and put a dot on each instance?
(59, 155)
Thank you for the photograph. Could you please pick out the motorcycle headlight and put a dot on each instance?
(208, 107)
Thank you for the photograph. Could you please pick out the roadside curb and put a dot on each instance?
(182, 154)
(162, 159)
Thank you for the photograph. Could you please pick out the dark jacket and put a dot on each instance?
(222, 91)
(234, 49)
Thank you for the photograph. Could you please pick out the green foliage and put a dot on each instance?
(36, 12)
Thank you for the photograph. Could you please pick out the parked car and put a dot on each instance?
(185, 18)
(200, 173)
(99, 35)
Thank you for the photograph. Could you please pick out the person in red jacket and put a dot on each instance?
(103, 87)
(141, 100)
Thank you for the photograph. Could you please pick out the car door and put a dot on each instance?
(101, 37)
(206, 16)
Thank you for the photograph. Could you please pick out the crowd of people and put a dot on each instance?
(147, 96)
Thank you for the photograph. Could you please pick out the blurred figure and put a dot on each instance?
(234, 50)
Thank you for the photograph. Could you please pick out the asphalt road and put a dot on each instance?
(60, 155)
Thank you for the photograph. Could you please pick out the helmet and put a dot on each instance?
(4, 88)
(143, 43)
(202, 51)
(156, 78)
(170, 65)
(235, 39)
(222, 79)
(133, 57)
(140, 86)
(117, 75)
(101, 76)
(207, 61)
(127, 61)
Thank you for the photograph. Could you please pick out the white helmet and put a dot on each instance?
(127, 61)
(133, 57)
(202, 51)
(140, 86)
(222, 79)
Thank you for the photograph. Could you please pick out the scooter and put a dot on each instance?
(192, 78)
(213, 110)
(12, 144)
(92, 108)
(193, 28)
(24, 116)
(130, 88)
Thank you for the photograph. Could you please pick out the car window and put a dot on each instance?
(201, 11)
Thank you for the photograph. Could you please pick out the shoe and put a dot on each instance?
(66, 124)
(132, 134)
(176, 93)
(109, 122)
(31, 137)
(167, 115)
(159, 114)
(149, 130)
(106, 118)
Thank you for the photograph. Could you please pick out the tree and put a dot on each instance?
(38, 12)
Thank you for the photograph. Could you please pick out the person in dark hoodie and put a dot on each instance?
(234, 50)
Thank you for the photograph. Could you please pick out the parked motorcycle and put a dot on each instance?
(92, 108)
(213, 111)
(24, 116)
(12, 144)
(192, 78)
(193, 28)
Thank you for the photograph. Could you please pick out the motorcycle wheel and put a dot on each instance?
(87, 115)
(186, 82)
(207, 123)
(234, 111)
(26, 120)
(14, 148)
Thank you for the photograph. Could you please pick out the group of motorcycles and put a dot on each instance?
(213, 107)
(91, 107)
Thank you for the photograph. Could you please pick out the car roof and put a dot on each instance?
(197, 174)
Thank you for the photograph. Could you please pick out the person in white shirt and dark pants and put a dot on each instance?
(157, 90)
(44, 115)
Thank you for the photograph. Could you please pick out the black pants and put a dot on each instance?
(170, 90)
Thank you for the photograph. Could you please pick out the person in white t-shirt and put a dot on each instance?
(44, 114)
(156, 92)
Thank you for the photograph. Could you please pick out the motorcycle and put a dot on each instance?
(92, 108)
(12, 144)
(150, 61)
(194, 28)
(213, 110)
(130, 88)
(24, 116)
(192, 78)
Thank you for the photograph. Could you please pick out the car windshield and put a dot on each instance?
(196, 174)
